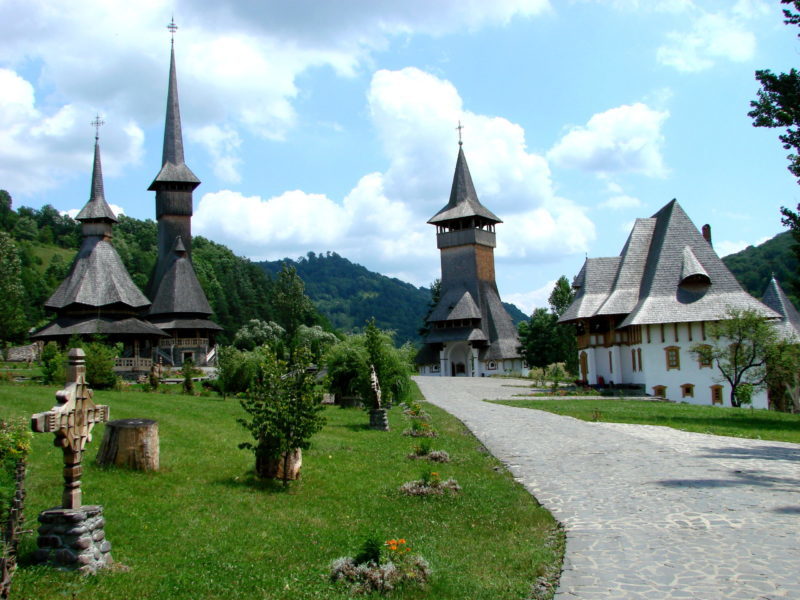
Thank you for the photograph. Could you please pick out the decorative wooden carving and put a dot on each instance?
(72, 420)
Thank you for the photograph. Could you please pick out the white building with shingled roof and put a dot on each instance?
(638, 314)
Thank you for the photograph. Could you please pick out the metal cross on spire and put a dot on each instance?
(172, 29)
(97, 123)
(460, 127)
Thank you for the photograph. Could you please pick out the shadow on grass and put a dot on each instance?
(357, 426)
(273, 486)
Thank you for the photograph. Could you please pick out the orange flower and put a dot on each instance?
(401, 541)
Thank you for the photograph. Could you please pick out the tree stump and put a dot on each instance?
(131, 443)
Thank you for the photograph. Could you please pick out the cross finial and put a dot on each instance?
(97, 123)
(460, 127)
(172, 29)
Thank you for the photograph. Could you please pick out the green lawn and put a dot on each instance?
(736, 422)
(202, 527)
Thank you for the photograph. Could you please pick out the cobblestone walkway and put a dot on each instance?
(650, 512)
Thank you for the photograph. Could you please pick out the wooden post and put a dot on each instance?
(131, 443)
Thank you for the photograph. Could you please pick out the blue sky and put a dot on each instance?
(330, 125)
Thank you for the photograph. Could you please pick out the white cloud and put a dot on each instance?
(713, 36)
(621, 202)
(726, 247)
(627, 138)
(222, 144)
(39, 148)
(381, 222)
(528, 301)
(238, 64)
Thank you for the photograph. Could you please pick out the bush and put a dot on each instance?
(52, 363)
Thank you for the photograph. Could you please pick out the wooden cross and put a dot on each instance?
(97, 123)
(172, 29)
(376, 386)
(460, 127)
(72, 420)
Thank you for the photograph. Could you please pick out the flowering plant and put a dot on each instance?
(393, 566)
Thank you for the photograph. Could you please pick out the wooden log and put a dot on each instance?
(131, 443)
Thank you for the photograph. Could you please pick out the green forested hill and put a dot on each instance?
(46, 242)
(755, 265)
(349, 294)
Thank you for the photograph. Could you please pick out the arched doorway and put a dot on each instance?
(459, 357)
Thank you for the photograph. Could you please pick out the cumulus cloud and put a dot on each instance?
(529, 301)
(712, 37)
(382, 221)
(627, 138)
(726, 247)
(39, 147)
(238, 64)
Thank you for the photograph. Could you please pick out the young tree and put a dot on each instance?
(283, 408)
(741, 346)
(292, 307)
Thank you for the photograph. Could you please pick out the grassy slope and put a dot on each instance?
(46, 254)
(203, 528)
(736, 422)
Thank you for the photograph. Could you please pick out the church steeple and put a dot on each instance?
(464, 201)
(174, 183)
(173, 169)
(96, 215)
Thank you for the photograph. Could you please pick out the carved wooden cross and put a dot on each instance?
(72, 420)
(376, 386)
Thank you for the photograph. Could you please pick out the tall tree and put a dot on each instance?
(543, 340)
(778, 106)
(12, 316)
(292, 307)
(740, 348)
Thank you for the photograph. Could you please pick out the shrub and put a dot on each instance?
(52, 363)
(430, 483)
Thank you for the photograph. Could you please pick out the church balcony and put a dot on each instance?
(466, 237)
(183, 343)
(133, 363)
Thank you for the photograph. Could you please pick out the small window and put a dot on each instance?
(639, 356)
(704, 362)
(716, 394)
(610, 362)
(673, 357)
(633, 359)
(435, 368)
(687, 390)
(491, 365)
(660, 390)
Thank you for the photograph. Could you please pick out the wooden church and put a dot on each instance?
(98, 296)
(470, 333)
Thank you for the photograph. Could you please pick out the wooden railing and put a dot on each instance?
(133, 363)
(183, 343)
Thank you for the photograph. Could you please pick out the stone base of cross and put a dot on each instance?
(72, 536)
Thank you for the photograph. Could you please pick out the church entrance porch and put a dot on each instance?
(459, 356)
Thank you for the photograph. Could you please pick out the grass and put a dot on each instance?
(204, 527)
(46, 254)
(716, 420)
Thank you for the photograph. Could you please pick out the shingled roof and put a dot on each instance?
(106, 325)
(789, 325)
(97, 209)
(666, 273)
(179, 290)
(97, 277)
(463, 198)
(174, 169)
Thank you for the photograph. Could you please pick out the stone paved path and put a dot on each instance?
(649, 512)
